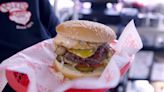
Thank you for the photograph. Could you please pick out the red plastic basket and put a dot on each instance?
(19, 82)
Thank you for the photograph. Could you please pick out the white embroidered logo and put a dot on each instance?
(20, 17)
(17, 12)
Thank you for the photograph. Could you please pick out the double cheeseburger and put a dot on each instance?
(82, 48)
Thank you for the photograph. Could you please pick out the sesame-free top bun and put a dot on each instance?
(86, 31)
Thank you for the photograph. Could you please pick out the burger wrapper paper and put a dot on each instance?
(36, 61)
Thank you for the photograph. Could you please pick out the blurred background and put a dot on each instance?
(147, 72)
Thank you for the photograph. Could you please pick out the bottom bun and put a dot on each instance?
(72, 73)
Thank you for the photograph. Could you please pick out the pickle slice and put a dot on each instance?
(84, 68)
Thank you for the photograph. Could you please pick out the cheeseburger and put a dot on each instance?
(82, 48)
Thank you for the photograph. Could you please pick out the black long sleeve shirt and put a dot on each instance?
(24, 23)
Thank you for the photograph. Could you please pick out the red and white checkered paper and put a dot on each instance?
(37, 61)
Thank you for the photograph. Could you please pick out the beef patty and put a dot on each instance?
(100, 54)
